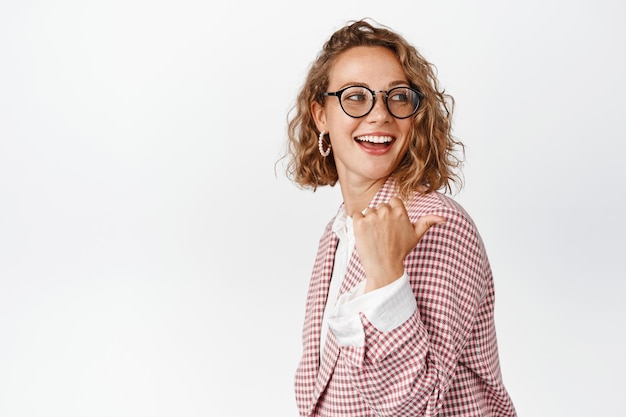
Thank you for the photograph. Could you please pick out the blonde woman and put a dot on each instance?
(400, 309)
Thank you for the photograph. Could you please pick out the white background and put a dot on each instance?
(152, 263)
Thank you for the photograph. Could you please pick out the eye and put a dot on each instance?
(356, 95)
(400, 96)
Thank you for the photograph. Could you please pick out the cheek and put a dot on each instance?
(341, 125)
(409, 139)
(405, 126)
(406, 133)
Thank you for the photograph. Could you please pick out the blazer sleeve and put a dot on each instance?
(407, 371)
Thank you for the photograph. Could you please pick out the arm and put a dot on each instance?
(406, 371)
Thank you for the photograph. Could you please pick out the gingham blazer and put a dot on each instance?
(443, 361)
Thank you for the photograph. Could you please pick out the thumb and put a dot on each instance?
(424, 223)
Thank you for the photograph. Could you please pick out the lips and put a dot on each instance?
(374, 139)
(375, 144)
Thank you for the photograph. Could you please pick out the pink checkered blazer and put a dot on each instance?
(443, 361)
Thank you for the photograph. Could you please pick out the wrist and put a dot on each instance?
(383, 277)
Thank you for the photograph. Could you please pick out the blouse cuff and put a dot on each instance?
(385, 308)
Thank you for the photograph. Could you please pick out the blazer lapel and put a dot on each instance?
(328, 362)
(354, 274)
(316, 302)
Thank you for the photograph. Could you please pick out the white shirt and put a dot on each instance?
(386, 308)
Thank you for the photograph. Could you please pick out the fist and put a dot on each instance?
(384, 235)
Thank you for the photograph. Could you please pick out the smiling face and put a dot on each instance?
(367, 149)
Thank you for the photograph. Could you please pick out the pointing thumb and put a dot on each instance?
(424, 223)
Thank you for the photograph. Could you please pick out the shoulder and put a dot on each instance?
(436, 203)
(328, 230)
(451, 254)
(459, 229)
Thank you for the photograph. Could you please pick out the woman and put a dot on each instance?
(399, 314)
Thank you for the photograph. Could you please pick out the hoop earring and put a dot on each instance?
(320, 145)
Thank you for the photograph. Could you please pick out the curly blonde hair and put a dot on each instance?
(430, 161)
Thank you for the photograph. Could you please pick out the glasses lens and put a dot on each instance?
(402, 102)
(356, 101)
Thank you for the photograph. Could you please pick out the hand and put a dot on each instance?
(384, 236)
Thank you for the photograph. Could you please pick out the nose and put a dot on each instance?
(380, 111)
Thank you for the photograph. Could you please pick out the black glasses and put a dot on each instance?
(358, 101)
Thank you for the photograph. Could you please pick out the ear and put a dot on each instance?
(319, 116)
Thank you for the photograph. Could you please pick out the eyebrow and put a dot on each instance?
(360, 84)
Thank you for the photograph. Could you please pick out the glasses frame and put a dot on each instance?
(338, 94)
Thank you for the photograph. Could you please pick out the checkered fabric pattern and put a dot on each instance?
(443, 361)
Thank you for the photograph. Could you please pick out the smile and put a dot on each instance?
(374, 139)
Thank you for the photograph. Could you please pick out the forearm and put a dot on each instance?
(385, 350)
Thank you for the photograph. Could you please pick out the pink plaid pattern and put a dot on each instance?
(443, 361)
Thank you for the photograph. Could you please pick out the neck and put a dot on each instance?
(356, 197)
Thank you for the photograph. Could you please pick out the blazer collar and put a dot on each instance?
(385, 193)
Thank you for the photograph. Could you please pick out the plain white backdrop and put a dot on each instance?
(153, 263)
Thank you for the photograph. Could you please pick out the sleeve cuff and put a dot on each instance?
(386, 308)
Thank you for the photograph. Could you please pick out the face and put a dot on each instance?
(368, 149)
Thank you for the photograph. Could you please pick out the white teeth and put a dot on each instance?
(375, 139)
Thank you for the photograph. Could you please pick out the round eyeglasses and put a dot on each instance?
(358, 101)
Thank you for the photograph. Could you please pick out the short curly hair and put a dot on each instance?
(431, 161)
